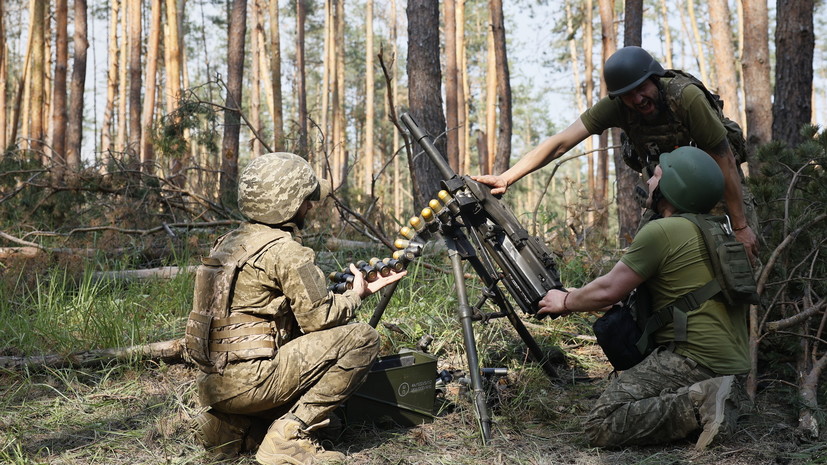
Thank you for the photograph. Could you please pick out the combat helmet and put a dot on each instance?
(691, 180)
(272, 187)
(627, 68)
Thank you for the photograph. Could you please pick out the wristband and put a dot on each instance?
(741, 228)
(565, 308)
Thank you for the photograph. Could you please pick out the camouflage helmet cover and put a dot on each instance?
(272, 187)
(627, 68)
(691, 181)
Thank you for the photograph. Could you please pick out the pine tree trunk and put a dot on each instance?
(301, 87)
(123, 66)
(135, 78)
(588, 53)
(111, 84)
(74, 127)
(667, 34)
(232, 117)
(3, 81)
(151, 80)
(424, 96)
(339, 140)
(502, 160)
(59, 92)
(37, 28)
(794, 44)
(609, 47)
(628, 209)
(698, 48)
(490, 105)
(451, 107)
(255, 81)
(755, 63)
(275, 71)
(397, 172)
(369, 99)
(327, 66)
(462, 92)
(724, 52)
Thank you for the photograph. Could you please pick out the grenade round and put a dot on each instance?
(427, 214)
(341, 277)
(401, 243)
(380, 266)
(340, 288)
(407, 232)
(394, 264)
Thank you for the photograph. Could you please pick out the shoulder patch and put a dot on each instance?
(313, 286)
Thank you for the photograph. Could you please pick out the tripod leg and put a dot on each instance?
(465, 313)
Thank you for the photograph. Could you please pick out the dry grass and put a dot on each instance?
(142, 414)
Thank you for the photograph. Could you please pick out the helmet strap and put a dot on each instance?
(657, 196)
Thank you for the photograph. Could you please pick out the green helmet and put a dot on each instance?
(627, 68)
(272, 187)
(691, 180)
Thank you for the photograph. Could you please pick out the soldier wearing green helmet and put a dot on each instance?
(689, 384)
(284, 353)
(658, 110)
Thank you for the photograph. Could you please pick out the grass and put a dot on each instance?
(140, 412)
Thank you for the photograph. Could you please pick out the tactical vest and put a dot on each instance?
(643, 143)
(733, 281)
(215, 335)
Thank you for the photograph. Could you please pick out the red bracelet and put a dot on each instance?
(565, 308)
(741, 228)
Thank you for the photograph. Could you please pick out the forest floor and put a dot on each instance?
(140, 413)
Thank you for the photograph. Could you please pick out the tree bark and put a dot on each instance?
(134, 42)
(59, 92)
(723, 50)
(255, 80)
(301, 91)
(424, 96)
(757, 85)
(667, 34)
(602, 187)
(490, 105)
(111, 84)
(699, 50)
(74, 127)
(232, 117)
(451, 107)
(502, 160)
(463, 90)
(123, 66)
(166, 351)
(794, 44)
(628, 209)
(275, 71)
(369, 99)
(3, 81)
(37, 28)
(151, 80)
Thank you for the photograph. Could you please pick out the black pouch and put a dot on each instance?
(618, 333)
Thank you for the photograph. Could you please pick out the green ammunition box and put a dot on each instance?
(399, 388)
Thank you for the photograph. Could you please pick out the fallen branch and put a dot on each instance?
(164, 272)
(166, 351)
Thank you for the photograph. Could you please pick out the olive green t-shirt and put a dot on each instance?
(669, 254)
(693, 110)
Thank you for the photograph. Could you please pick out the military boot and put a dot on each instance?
(714, 400)
(289, 442)
(223, 434)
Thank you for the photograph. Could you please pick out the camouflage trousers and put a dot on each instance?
(311, 375)
(647, 404)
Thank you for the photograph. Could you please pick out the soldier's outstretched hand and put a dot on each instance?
(365, 288)
(498, 183)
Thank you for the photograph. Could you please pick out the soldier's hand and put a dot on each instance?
(364, 288)
(747, 237)
(552, 303)
(498, 183)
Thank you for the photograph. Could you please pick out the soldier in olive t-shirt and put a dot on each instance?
(669, 254)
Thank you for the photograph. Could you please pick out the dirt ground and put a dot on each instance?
(142, 415)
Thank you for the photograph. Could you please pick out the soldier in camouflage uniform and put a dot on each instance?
(292, 353)
(684, 386)
(658, 110)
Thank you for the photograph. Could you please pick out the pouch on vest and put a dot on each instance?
(729, 258)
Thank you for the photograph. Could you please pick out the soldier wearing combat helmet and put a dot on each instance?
(658, 110)
(689, 385)
(284, 356)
